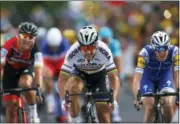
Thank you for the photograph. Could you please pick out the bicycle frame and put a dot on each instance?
(158, 113)
(90, 107)
(21, 116)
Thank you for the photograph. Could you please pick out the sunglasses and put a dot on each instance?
(87, 48)
(24, 36)
(161, 48)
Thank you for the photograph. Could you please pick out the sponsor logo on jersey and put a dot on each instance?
(81, 60)
(73, 53)
(15, 53)
(104, 52)
(13, 59)
(91, 66)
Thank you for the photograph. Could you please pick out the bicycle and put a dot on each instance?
(21, 116)
(90, 102)
(158, 115)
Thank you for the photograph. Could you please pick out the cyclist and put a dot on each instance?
(154, 68)
(106, 35)
(19, 58)
(54, 49)
(91, 58)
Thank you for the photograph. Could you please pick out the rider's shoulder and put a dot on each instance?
(173, 47)
(73, 50)
(12, 40)
(103, 45)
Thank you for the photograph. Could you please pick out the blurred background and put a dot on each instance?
(132, 23)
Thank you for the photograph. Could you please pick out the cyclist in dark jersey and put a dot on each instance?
(20, 57)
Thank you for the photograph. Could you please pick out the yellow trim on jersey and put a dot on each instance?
(64, 73)
(176, 60)
(112, 71)
(141, 62)
(101, 103)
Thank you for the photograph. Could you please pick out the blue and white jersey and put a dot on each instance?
(148, 63)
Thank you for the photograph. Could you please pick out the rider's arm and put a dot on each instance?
(5, 50)
(63, 78)
(65, 72)
(115, 82)
(112, 74)
(176, 61)
(4, 53)
(38, 65)
(141, 62)
(136, 83)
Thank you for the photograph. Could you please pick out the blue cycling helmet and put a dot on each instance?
(105, 32)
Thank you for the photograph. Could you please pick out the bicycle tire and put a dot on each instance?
(20, 115)
(161, 119)
(158, 117)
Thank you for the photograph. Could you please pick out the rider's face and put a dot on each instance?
(88, 51)
(162, 55)
(26, 41)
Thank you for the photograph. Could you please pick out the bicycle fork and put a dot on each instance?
(90, 117)
(21, 113)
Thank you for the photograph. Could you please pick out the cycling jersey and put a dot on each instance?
(11, 54)
(75, 59)
(156, 73)
(147, 62)
(55, 59)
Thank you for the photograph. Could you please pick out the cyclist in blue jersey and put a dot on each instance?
(106, 35)
(157, 65)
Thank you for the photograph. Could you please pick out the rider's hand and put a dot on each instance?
(64, 106)
(114, 105)
(137, 104)
(39, 95)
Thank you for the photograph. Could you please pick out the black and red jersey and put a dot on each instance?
(11, 54)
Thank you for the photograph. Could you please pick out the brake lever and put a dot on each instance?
(67, 95)
(138, 99)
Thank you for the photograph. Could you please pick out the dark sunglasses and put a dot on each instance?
(161, 48)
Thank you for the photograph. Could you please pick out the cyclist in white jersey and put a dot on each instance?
(88, 61)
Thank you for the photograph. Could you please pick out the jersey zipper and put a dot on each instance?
(159, 69)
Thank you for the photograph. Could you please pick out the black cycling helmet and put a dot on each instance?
(28, 28)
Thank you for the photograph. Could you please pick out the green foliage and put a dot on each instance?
(26, 6)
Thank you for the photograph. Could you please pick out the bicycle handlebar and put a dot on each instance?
(90, 94)
(17, 90)
(67, 95)
(139, 95)
(160, 94)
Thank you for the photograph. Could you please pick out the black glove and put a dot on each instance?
(39, 95)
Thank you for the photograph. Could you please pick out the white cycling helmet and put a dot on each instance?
(54, 37)
(160, 39)
(87, 35)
